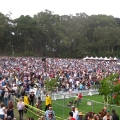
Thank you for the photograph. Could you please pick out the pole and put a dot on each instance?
(92, 105)
(63, 105)
(45, 65)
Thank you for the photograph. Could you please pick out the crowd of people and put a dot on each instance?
(24, 78)
(103, 115)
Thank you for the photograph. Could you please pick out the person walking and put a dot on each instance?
(20, 106)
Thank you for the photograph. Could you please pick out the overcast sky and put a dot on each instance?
(61, 7)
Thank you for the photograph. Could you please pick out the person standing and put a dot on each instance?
(2, 111)
(48, 102)
(50, 116)
(20, 106)
(76, 100)
(6, 97)
(26, 102)
(114, 115)
(10, 109)
(32, 98)
(49, 110)
(0, 95)
(75, 113)
(107, 116)
(22, 92)
(80, 97)
(81, 116)
(71, 116)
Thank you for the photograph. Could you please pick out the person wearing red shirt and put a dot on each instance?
(80, 97)
(71, 116)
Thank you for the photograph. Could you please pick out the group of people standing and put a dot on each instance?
(19, 75)
(103, 115)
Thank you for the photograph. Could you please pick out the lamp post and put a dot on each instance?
(12, 46)
(44, 61)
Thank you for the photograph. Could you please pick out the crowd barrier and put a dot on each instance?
(61, 100)
(36, 111)
(62, 95)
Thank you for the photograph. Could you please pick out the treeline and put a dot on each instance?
(52, 35)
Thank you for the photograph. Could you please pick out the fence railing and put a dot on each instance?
(61, 101)
(62, 95)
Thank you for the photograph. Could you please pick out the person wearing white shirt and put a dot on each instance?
(107, 116)
(75, 113)
(2, 111)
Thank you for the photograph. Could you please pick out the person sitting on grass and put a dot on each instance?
(70, 103)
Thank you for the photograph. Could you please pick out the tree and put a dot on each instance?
(107, 87)
(5, 33)
(51, 84)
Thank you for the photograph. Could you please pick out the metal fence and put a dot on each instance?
(60, 103)
(62, 95)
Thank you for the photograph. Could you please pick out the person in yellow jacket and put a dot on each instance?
(48, 102)
(26, 102)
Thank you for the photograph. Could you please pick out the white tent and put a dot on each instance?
(96, 58)
(106, 58)
(115, 58)
(101, 58)
(86, 58)
(91, 58)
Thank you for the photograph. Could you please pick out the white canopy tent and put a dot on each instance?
(100, 58)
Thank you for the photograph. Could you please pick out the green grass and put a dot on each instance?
(61, 109)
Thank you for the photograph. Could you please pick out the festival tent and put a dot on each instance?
(106, 59)
(101, 58)
(115, 58)
(96, 58)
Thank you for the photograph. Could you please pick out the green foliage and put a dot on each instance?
(48, 34)
(51, 84)
(108, 87)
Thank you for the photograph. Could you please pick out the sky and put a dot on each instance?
(61, 7)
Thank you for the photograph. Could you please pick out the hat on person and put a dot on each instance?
(80, 113)
(73, 106)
